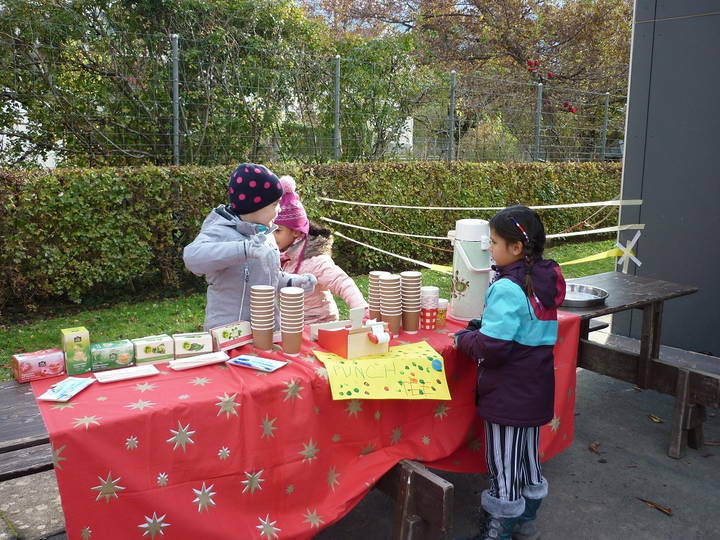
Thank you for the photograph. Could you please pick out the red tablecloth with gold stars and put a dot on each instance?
(226, 452)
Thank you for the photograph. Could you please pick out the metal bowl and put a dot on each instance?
(579, 295)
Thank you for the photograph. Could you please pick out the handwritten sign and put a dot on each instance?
(414, 371)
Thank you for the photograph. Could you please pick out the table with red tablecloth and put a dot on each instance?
(230, 452)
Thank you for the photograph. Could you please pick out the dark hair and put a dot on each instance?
(521, 224)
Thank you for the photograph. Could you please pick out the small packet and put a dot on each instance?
(66, 389)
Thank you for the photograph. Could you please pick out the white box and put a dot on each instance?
(229, 336)
(192, 344)
(151, 349)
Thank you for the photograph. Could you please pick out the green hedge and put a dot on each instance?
(79, 233)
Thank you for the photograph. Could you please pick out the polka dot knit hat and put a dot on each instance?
(252, 187)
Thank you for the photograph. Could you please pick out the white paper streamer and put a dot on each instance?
(614, 202)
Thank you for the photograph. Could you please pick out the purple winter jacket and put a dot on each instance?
(514, 345)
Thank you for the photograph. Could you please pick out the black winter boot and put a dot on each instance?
(525, 527)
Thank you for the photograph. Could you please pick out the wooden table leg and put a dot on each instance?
(679, 434)
(649, 341)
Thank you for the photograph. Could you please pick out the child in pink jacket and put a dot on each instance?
(307, 248)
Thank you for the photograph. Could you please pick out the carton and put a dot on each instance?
(76, 346)
(38, 365)
(192, 344)
(229, 336)
(151, 349)
(112, 355)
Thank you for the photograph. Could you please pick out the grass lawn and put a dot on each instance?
(126, 320)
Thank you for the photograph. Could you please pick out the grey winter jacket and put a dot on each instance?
(233, 255)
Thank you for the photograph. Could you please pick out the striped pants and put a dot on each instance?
(512, 459)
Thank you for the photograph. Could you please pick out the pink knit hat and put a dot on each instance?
(292, 212)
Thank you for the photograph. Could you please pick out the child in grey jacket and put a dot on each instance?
(235, 248)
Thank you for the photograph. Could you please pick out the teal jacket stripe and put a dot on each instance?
(509, 316)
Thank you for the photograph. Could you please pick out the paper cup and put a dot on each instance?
(291, 342)
(411, 321)
(394, 322)
(374, 313)
(263, 339)
(428, 319)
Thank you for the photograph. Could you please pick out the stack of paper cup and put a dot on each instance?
(374, 293)
(262, 315)
(411, 282)
(391, 301)
(429, 297)
(292, 318)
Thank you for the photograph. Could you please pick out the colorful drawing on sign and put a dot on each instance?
(414, 371)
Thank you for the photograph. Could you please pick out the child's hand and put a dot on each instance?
(259, 247)
(306, 282)
(474, 324)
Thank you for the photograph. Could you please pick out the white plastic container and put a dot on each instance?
(471, 268)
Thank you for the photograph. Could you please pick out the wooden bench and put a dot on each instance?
(693, 378)
(423, 500)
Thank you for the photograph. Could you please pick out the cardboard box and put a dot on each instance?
(38, 365)
(76, 346)
(229, 336)
(112, 355)
(192, 344)
(151, 349)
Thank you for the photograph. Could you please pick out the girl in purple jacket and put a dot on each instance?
(513, 346)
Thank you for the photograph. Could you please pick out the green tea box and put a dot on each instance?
(112, 355)
(192, 344)
(151, 349)
(76, 348)
(231, 335)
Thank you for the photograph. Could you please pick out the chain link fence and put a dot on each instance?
(163, 99)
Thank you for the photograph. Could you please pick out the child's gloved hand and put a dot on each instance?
(259, 247)
(306, 282)
(474, 324)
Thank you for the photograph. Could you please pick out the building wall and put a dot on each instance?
(672, 162)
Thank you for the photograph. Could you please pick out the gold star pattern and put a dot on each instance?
(86, 421)
(162, 479)
(332, 478)
(336, 437)
(101, 398)
(268, 427)
(107, 488)
(309, 451)
(369, 448)
(145, 387)
(354, 407)
(290, 489)
(377, 415)
(227, 404)
(86, 533)
(139, 405)
(57, 458)
(312, 518)
(200, 381)
(154, 525)
(426, 440)
(252, 482)
(204, 497)
(475, 445)
(293, 390)
(396, 435)
(184, 396)
(267, 528)
(66, 405)
(224, 453)
(131, 443)
(441, 411)
(555, 423)
(321, 372)
(182, 436)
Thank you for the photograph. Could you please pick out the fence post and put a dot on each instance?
(451, 116)
(336, 137)
(175, 99)
(538, 119)
(603, 136)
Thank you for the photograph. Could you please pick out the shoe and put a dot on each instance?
(526, 526)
